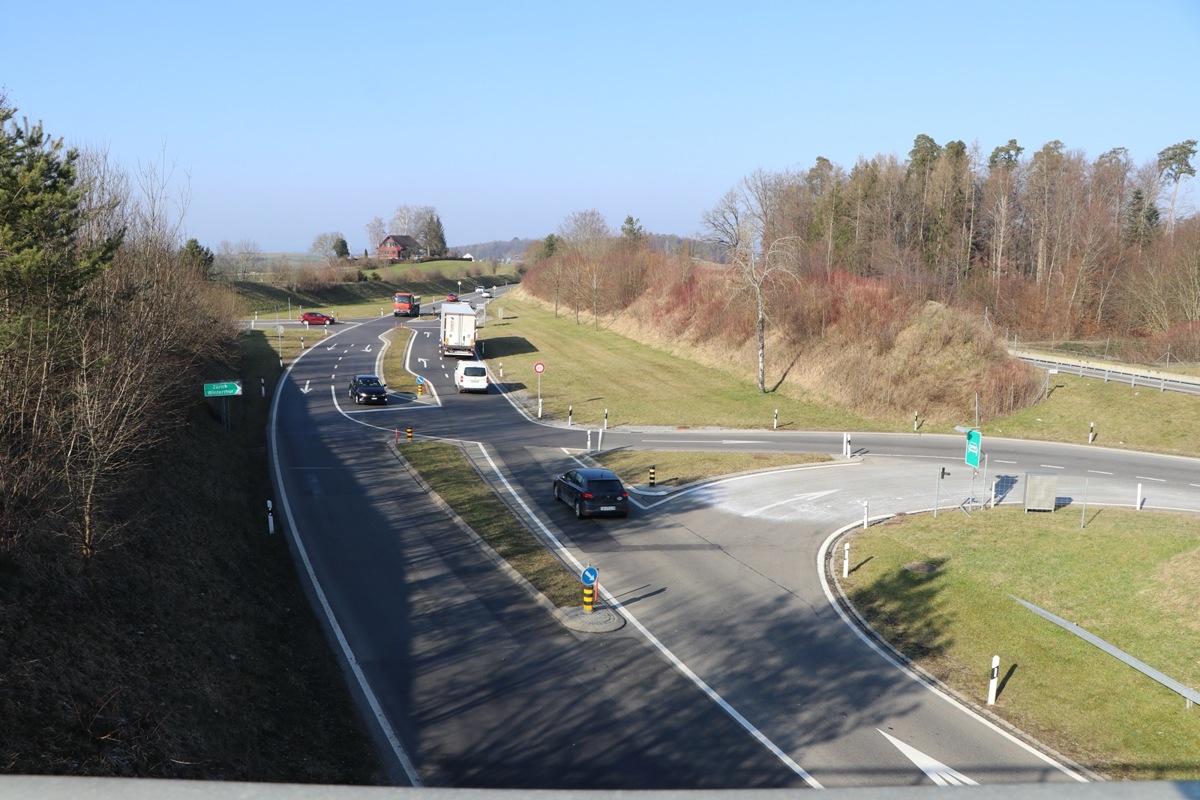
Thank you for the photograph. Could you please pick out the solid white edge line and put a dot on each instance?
(662, 648)
(821, 556)
(351, 659)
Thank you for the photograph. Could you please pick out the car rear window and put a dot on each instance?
(606, 487)
(475, 372)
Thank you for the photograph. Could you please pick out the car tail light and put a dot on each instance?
(587, 495)
(625, 494)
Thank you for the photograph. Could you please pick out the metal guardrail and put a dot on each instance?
(1188, 693)
(1124, 373)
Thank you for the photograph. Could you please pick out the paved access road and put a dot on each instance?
(734, 669)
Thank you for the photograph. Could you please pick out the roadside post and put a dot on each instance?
(539, 368)
(651, 476)
(775, 424)
(270, 518)
(991, 701)
(408, 434)
(846, 562)
(589, 578)
(570, 414)
(937, 489)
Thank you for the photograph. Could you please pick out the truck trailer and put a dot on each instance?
(457, 336)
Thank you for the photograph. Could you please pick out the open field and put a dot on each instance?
(1128, 577)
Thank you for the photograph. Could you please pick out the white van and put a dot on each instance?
(471, 376)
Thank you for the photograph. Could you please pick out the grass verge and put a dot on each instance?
(451, 476)
(1128, 577)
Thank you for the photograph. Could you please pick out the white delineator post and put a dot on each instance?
(1138, 507)
(846, 562)
(993, 682)
(270, 518)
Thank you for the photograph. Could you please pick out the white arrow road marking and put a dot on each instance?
(424, 363)
(306, 390)
(367, 349)
(938, 772)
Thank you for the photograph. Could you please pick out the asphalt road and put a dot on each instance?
(734, 669)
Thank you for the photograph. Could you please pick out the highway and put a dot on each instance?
(734, 668)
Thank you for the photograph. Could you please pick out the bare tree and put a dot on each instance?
(376, 230)
(740, 224)
(585, 238)
(328, 246)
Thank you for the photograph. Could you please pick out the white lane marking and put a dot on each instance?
(803, 498)
(1144, 478)
(662, 648)
(1099, 472)
(1051, 466)
(937, 772)
(999, 461)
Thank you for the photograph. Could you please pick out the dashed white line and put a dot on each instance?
(1144, 478)
(1051, 466)
(1099, 472)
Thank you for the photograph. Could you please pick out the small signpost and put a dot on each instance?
(589, 578)
(223, 390)
(974, 445)
(539, 368)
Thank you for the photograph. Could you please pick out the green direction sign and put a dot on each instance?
(974, 443)
(223, 389)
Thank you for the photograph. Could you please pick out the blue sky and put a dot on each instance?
(287, 120)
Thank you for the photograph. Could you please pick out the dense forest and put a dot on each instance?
(1050, 244)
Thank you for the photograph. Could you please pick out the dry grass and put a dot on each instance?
(190, 651)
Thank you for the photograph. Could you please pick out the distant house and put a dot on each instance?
(399, 247)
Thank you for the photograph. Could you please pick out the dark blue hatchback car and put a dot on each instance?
(592, 493)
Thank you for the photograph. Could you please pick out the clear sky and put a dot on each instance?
(287, 120)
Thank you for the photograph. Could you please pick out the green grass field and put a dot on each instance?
(1128, 577)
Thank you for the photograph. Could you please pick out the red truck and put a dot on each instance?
(406, 304)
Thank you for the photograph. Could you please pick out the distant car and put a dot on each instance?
(452, 298)
(592, 492)
(487, 293)
(317, 318)
(471, 376)
(368, 389)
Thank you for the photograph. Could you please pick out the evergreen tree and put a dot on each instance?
(433, 236)
(198, 256)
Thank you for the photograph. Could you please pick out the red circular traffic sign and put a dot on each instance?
(539, 368)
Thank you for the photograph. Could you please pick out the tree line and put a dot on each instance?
(107, 327)
(1048, 244)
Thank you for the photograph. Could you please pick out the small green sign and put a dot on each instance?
(974, 444)
(223, 389)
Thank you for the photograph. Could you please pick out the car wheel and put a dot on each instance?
(578, 509)
(557, 494)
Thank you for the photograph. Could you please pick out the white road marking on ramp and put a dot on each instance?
(937, 772)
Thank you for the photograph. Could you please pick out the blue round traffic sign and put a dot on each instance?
(420, 380)
(590, 576)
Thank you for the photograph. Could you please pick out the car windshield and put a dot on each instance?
(368, 381)
(605, 487)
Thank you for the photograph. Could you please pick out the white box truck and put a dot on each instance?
(457, 337)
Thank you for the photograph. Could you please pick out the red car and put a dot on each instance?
(316, 318)
(452, 298)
